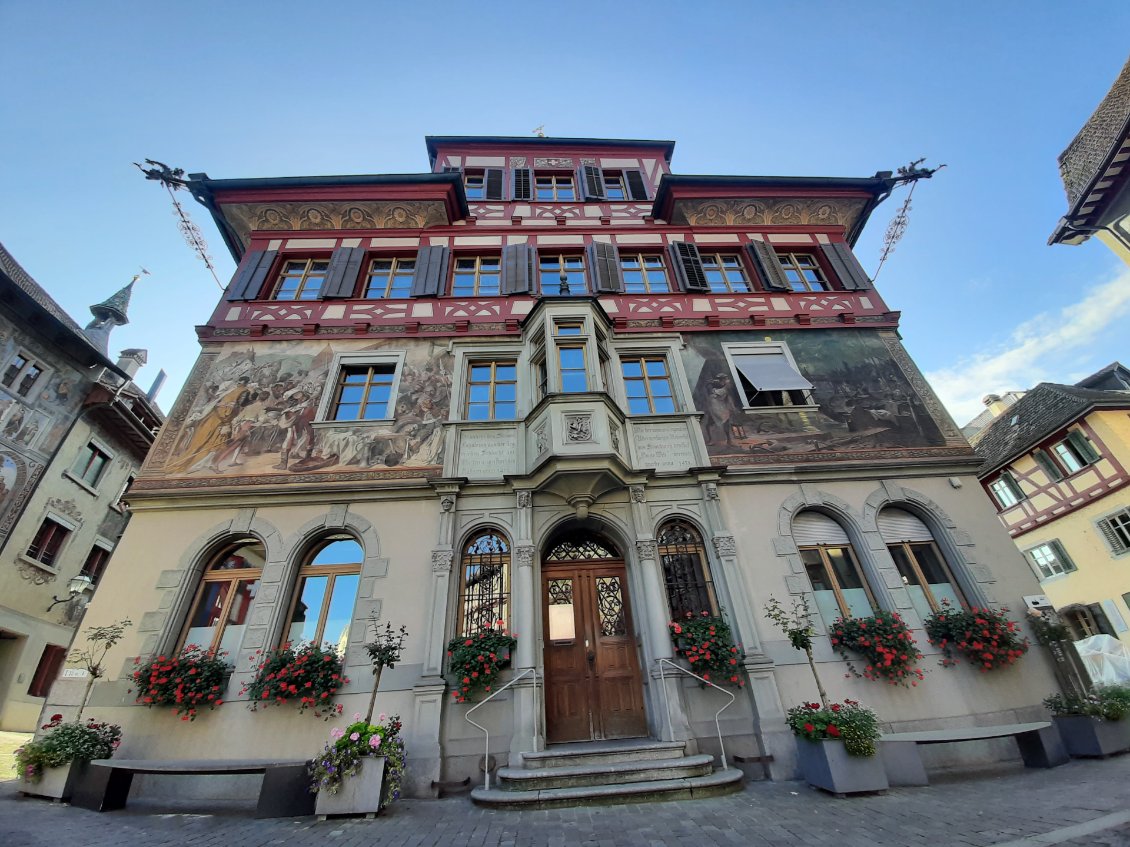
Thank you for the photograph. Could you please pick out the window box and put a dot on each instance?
(826, 764)
(1085, 736)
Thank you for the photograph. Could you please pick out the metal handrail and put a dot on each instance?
(486, 732)
(717, 722)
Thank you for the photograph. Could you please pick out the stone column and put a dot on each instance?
(524, 605)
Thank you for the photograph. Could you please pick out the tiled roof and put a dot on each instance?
(1079, 164)
(972, 429)
(1039, 413)
(22, 280)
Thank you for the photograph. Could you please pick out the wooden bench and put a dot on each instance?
(285, 791)
(1039, 743)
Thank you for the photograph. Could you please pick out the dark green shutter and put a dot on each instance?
(1048, 464)
(851, 274)
(251, 275)
(522, 183)
(1061, 555)
(688, 266)
(1112, 537)
(768, 266)
(1082, 446)
(1013, 485)
(431, 271)
(342, 273)
(592, 182)
(604, 260)
(637, 188)
(493, 182)
(519, 269)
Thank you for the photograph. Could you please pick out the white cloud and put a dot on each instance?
(1046, 348)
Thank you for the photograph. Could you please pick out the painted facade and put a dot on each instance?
(587, 383)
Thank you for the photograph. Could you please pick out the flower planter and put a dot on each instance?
(56, 783)
(359, 794)
(826, 764)
(1087, 736)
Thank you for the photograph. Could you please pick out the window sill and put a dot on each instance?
(81, 483)
(23, 557)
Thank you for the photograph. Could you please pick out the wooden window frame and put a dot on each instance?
(830, 574)
(51, 661)
(643, 269)
(213, 575)
(303, 279)
(492, 384)
(642, 359)
(478, 274)
(327, 405)
(100, 563)
(558, 179)
(95, 450)
(908, 551)
(331, 571)
(560, 258)
(466, 561)
(479, 174)
(582, 346)
(721, 267)
(1116, 530)
(615, 178)
(371, 371)
(1059, 555)
(1007, 484)
(789, 260)
(48, 542)
(395, 271)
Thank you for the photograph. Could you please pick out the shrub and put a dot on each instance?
(188, 682)
(1110, 702)
(885, 641)
(706, 643)
(986, 637)
(475, 660)
(855, 725)
(67, 742)
(308, 675)
(342, 756)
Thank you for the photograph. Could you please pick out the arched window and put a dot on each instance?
(923, 568)
(685, 573)
(223, 601)
(484, 592)
(327, 589)
(837, 580)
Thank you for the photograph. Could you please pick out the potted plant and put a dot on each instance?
(475, 660)
(885, 641)
(48, 766)
(308, 675)
(836, 742)
(361, 769)
(985, 637)
(1095, 724)
(384, 652)
(705, 642)
(189, 681)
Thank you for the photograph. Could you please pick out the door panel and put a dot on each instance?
(593, 686)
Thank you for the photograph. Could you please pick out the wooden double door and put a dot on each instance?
(593, 688)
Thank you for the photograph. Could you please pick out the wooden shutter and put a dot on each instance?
(431, 271)
(1111, 534)
(1082, 446)
(637, 188)
(592, 182)
(851, 274)
(1061, 555)
(342, 273)
(899, 525)
(519, 268)
(1101, 620)
(810, 528)
(251, 275)
(1048, 464)
(688, 266)
(604, 259)
(493, 183)
(1013, 485)
(50, 662)
(768, 266)
(522, 183)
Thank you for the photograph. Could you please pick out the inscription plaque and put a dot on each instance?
(487, 454)
(664, 447)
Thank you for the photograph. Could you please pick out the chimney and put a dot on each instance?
(995, 404)
(131, 360)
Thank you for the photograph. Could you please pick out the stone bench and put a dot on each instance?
(285, 791)
(1039, 743)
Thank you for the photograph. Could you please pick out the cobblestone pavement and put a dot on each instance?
(1081, 803)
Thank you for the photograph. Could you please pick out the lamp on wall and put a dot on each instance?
(76, 586)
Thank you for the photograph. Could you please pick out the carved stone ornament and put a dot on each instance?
(541, 438)
(441, 561)
(525, 500)
(524, 556)
(768, 211)
(614, 434)
(447, 503)
(638, 493)
(331, 215)
(518, 161)
(578, 427)
(711, 491)
(34, 575)
(725, 546)
(66, 507)
(645, 549)
(553, 163)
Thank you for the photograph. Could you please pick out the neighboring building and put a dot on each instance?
(74, 430)
(552, 383)
(1095, 169)
(995, 404)
(1055, 464)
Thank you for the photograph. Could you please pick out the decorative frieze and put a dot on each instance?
(65, 507)
(768, 212)
(330, 215)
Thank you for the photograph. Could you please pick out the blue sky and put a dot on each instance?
(993, 90)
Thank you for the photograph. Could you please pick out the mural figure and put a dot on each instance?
(15, 421)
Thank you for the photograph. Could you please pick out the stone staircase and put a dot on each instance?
(634, 771)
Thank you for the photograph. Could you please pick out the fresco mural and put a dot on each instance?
(865, 400)
(255, 410)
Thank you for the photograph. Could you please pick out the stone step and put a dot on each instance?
(594, 754)
(695, 787)
(604, 773)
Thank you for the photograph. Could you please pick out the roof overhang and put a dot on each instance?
(434, 142)
(243, 207)
(735, 201)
